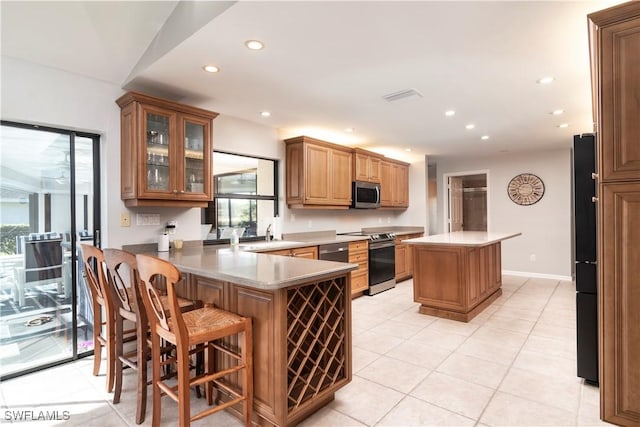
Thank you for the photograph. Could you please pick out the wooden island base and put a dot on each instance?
(457, 275)
(462, 317)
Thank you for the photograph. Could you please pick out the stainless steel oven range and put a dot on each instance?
(382, 261)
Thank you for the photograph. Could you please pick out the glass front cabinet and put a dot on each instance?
(166, 152)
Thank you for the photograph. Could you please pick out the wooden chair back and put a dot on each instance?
(122, 276)
(150, 270)
(94, 268)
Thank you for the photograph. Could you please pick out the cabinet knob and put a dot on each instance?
(594, 176)
(594, 199)
(181, 191)
(175, 191)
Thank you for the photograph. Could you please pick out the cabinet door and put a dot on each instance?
(401, 260)
(194, 173)
(374, 169)
(156, 158)
(361, 167)
(401, 186)
(619, 127)
(340, 177)
(386, 184)
(310, 252)
(618, 301)
(317, 174)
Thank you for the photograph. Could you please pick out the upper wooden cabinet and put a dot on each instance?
(394, 184)
(366, 166)
(166, 152)
(318, 174)
(615, 47)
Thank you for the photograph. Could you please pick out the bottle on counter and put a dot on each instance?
(235, 240)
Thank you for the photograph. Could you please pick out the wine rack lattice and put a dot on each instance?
(315, 339)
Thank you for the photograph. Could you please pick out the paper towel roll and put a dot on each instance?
(163, 243)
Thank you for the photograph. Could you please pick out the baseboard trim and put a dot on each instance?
(537, 275)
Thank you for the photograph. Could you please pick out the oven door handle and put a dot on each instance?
(373, 246)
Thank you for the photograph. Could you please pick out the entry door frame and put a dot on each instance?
(445, 205)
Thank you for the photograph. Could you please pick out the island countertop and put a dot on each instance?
(256, 270)
(462, 238)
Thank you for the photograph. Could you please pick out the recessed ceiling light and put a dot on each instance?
(349, 130)
(449, 113)
(265, 113)
(545, 80)
(407, 149)
(484, 137)
(470, 126)
(211, 69)
(254, 44)
(564, 125)
(557, 112)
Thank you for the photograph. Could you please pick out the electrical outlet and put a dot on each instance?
(532, 257)
(125, 219)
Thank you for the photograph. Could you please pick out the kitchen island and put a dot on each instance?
(457, 275)
(301, 311)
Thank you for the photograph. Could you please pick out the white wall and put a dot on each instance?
(35, 94)
(545, 226)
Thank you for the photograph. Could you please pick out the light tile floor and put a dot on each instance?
(513, 365)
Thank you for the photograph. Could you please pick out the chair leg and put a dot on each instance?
(97, 345)
(210, 369)
(111, 354)
(118, 363)
(184, 398)
(247, 386)
(156, 374)
(141, 363)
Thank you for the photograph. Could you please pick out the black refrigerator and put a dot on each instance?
(584, 208)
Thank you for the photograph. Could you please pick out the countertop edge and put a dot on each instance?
(423, 241)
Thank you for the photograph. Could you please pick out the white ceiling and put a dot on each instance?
(327, 65)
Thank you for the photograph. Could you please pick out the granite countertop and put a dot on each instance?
(262, 271)
(462, 238)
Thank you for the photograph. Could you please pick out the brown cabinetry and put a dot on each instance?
(456, 282)
(165, 152)
(301, 343)
(394, 184)
(309, 252)
(404, 257)
(366, 166)
(359, 254)
(318, 174)
(615, 47)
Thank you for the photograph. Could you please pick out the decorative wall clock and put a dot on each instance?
(525, 189)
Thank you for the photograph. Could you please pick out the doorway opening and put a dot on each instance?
(467, 205)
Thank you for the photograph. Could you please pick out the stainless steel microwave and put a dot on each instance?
(365, 195)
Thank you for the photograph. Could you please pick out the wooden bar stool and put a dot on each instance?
(201, 329)
(122, 279)
(102, 305)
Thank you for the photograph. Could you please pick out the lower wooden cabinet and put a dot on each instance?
(359, 254)
(404, 257)
(619, 299)
(309, 252)
(287, 324)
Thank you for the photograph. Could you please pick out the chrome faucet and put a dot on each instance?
(267, 234)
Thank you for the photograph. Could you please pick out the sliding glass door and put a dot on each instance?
(49, 204)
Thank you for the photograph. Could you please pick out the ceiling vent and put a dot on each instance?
(402, 94)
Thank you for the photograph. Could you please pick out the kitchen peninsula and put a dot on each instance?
(301, 311)
(457, 275)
